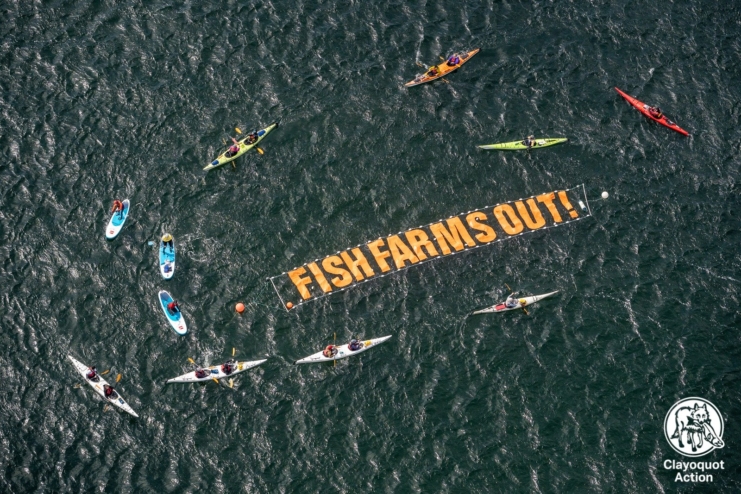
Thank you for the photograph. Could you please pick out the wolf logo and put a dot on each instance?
(691, 420)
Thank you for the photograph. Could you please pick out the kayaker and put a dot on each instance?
(109, 392)
(454, 60)
(228, 366)
(201, 373)
(252, 137)
(529, 141)
(330, 351)
(167, 241)
(117, 206)
(433, 71)
(234, 149)
(655, 111)
(92, 373)
(355, 345)
(511, 302)
(173, 307)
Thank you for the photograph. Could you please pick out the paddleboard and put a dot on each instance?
(167, 260)
(117, 221)
(176, 320)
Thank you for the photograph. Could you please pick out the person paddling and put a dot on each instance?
(330, 351)
(201, 373)
(454, 60)
(117, 207)
(529, 142)
(109, 392)
(655, 112)
(92, 373)
(511, 302)
(228, 366)
(167, 241)
(173, 307)
(354, 345)
(233, 149)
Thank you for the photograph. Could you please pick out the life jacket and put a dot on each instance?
(109, 392)
(172, 306)
(201, 373)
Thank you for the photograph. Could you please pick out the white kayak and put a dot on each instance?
(117, 221)
(342, 351)
(98, 387)
(524, 302)
(215, 372)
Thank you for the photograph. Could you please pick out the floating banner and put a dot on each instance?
(461, 233)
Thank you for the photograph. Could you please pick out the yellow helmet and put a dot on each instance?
(166, 237)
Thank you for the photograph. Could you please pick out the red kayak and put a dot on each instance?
(643, 108)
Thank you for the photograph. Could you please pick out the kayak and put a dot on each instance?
(225, 158)
(343, 351)
(117, 221)
(643, 108)
(215, 372)
(519, 146)
(176, 321)
(443, 69)
(524, 302)
(167, 260)
(98, 384)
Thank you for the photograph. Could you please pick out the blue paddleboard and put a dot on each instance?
(167, 259)
(117, 221)
(176, 320)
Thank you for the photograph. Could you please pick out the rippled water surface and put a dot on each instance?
(104, 100)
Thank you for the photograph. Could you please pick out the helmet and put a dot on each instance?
(166, 237)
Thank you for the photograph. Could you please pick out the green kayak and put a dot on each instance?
(248, 142)
(519, 146)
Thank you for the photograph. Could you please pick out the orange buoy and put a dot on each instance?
(289, 305)
(240, 307)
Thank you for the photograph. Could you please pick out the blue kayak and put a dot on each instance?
(167, 259)
(176, 320)
(117, 221)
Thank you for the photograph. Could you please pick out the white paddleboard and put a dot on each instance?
(117, 221)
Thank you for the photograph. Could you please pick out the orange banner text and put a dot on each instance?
(461, 233)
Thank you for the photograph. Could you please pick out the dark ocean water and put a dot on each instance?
(104, 100)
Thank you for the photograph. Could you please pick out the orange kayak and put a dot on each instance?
(643, 108)
(443, 69)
